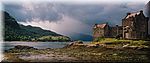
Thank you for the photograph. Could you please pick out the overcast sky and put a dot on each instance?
(67, 17)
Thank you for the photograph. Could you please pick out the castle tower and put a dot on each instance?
(135, 26)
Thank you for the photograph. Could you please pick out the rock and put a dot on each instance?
(93, 45)
(78, 42)
(114, 54)
(126, 45)
(144, 48)
(130, 47)
(22, 47)
(74, 43)
(136, 47)
(68, 45)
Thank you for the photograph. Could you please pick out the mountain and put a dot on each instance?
(80, 36)
(18, 32)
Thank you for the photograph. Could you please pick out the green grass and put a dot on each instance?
(113, 41)
(103, 54)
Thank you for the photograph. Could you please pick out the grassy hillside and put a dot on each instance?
(17, 32)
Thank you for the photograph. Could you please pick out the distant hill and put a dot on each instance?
(80, 36)
(18, 32)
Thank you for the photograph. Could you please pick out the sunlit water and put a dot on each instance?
(39, 45)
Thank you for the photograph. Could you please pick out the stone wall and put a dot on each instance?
(114, 31)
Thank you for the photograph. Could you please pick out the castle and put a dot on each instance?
(134, 26)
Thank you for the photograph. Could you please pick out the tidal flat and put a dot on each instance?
(79, 52)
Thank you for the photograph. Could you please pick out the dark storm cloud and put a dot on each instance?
(31, 11)
(86, 13)
(70, 18)
(100, 13)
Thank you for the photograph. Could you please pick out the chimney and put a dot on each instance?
(116, 25)
(117, 29)
(141, 11)
(95, 25)
(128, 13)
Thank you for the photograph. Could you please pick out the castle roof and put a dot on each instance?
(133, 14)
(100, 25)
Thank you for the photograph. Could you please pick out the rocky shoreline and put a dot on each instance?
(30, 54)
(80, 52)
